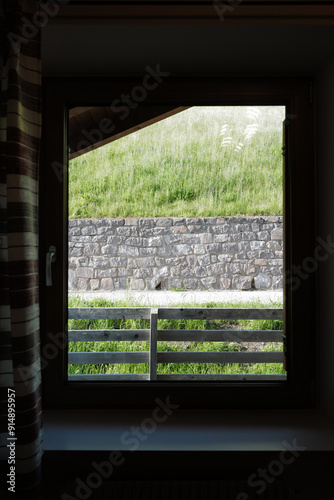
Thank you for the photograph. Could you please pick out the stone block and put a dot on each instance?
(197, 229)
(99, 262)
(190, 239)
(107, 284)
(262, 281)
(131, 221)
(241, 255)
(74, 231)
(147, 223)
(146, 262)
(191, 284)
(81, 284)
(242, 282)
(109, 249)
(243, 246)
(248, 236)
(112, 240)
(214, 247)
(75, 251)
(84, 272)
(277, 282)
(118, 261)
(120, 283)
(165, 251)
(178, 221)
(123, 231)
(174, 283)
(277, 234)
(274, 245)
(88, 230)
(143, 273)
(92, 249)
(266, 254)
(204, 260)
(71, 279)
(107, 273)
(175, 271)
(128, 250)
(225, 283)
(191, 260)
(182, 249)
(155, 241)
(94, 284)
(164, 221)
(160, 230)
(250, 269)
(215, 269)
(261, 262)
(179, 229)
(218, 229)
(125, 272)
(136, 284)
(220, 238)
(234, 268)
(209, 283)
(147, 251)
(257, 245)
(200, 272)
(275, 262)
(224, 258)
(199, 249)
(263, 235)
(229, 247)
(161, 272)
(99, 238)
(134, 241)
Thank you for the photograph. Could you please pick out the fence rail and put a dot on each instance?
(154, 335)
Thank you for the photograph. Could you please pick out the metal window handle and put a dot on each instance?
(51, 257)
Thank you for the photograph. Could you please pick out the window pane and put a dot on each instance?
(181, 211)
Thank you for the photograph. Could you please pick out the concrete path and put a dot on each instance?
(169, 298)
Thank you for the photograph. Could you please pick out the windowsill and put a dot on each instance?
(188, 431)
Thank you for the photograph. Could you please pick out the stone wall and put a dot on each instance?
(216, 253)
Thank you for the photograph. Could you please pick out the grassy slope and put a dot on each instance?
(200, 368)
(179, 167)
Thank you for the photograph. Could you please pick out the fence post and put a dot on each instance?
(153, 343)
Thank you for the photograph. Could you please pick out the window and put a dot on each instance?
(299, 231)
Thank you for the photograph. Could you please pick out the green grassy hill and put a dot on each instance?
(205, 161)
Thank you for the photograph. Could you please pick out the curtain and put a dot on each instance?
(20, 132)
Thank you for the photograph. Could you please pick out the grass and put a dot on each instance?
(205, 161)
(198, 368)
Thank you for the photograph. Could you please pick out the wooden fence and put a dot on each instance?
(153, 335)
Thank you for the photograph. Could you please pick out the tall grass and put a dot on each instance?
(205, 161)
(186, 324)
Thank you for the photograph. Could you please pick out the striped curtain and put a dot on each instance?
(20, 132)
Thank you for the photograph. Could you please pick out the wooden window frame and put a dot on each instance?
(299, 244)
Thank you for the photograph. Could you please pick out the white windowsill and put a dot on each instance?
(188, 431)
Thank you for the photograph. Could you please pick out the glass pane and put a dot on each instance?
(181, 211)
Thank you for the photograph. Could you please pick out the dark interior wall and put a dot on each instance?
(325, 188)
(215, 49)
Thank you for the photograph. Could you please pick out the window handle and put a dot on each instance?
(51, 257)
